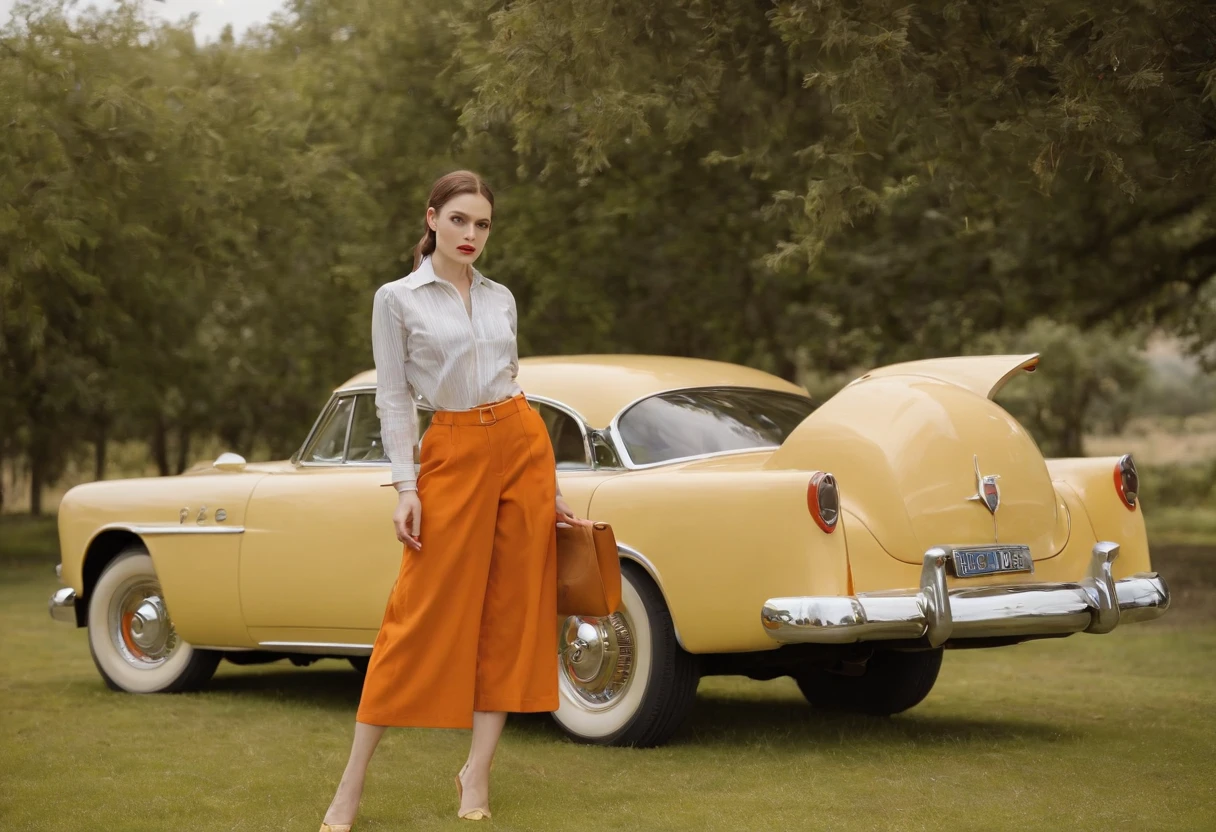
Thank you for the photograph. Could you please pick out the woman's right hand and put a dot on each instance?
(407, 520)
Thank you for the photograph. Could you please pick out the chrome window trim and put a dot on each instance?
(615, 432)
(350, 421)
(333, 402)
(588, 457)
(298, 455)
(365, 389)
(355, 392)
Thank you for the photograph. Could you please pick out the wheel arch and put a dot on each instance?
(630, 555)
(101, 550)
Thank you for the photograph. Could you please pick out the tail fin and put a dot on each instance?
(983, 375)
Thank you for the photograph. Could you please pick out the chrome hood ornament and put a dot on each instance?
(987, 492)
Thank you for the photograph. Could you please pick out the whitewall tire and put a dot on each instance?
(131, 635)
(625, 680)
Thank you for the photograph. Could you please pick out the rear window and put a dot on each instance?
(688, 423)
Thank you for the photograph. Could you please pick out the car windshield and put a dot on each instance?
(688, 423)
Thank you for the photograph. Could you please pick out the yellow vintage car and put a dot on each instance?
(844, 543)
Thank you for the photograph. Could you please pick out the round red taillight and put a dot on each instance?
(1127, 481)
(823, 500)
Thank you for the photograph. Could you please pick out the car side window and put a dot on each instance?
(366, 443)
(329, 444)
(569, 448)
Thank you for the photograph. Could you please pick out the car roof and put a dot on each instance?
(597, 387)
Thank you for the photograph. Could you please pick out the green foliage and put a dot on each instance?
(928, 172)
(1176, 388)
(1184, 486)
(190, 234)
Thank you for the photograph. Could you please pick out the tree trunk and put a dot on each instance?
(160, 445)
(183, 449)
(36, 477)
(786, 367)
(101, 443)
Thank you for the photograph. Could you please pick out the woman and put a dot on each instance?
(468, 633)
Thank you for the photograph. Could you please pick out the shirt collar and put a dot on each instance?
(425, 273)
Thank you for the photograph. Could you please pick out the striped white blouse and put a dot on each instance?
(430, 352)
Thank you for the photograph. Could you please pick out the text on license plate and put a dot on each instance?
(991, 559)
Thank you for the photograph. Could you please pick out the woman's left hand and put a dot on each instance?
(566, 515)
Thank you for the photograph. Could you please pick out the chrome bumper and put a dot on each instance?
(1097, 604)
(63, 605)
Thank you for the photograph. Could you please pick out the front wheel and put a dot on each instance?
(892, 681)
(131, 637)
(624, 680)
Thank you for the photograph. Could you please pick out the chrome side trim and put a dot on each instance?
(63, 605)
(170, 528)
(630, 553)
(1095, 604)
(319, 647)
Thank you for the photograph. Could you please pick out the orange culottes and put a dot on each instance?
(471, 622)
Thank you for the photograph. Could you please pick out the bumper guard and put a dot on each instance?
(63, 605)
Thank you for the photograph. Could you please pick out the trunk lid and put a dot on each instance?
(905, 445)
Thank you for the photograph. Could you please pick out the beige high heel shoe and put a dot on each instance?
(341, 827)
(471, 814)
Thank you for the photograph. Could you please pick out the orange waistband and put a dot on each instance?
(486, 414)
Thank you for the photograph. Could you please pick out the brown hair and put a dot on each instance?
(453, 184)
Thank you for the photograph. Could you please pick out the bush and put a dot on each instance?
(1178, 486)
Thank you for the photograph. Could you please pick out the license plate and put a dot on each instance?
(989, 560)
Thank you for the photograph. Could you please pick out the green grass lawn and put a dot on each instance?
(1089, 732)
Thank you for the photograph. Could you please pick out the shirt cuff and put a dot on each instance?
(404, 477)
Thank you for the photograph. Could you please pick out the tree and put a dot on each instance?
(932, 172)
(1084, 381)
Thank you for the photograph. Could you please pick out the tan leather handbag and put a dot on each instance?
(588, 571)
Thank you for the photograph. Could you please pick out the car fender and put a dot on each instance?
(720, 543)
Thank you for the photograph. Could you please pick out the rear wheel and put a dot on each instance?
(131, 636)
(892, 681)
(624, 679)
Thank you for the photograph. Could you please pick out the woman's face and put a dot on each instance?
(461, 227)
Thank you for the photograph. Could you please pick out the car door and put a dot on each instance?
(320, 556)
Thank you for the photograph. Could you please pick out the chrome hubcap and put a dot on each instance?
(597, 658)
(148, 625)
(142, 630)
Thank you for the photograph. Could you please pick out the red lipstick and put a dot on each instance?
(466, 249)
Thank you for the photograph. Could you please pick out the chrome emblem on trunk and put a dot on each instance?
(987, 492)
